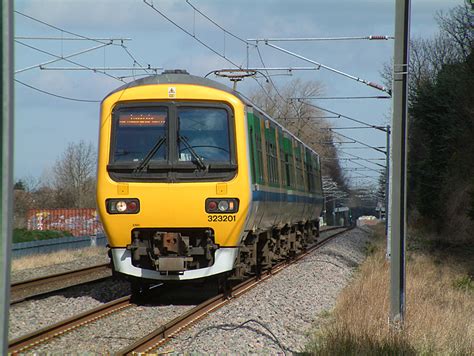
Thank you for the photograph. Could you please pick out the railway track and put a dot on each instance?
(161, 335)
(24, 290)
(43, 335)
(158, 337)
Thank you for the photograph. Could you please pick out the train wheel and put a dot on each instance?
(225, 286)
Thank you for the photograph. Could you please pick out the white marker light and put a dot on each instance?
(121, 206)
(223, 205)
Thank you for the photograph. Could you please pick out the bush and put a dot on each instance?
(24, 235)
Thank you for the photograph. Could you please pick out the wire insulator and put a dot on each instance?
(378, 37)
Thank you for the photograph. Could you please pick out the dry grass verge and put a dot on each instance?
(439, 313)
(53, 258)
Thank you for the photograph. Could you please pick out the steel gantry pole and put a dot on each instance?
(387, 193)
(399, 154)
(6, 150)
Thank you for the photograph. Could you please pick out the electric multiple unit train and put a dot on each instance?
(194, 181)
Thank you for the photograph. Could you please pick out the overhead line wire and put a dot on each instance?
(356, 156)
(345, 116)
(215, 23)
(60, 58)
(56, 95)
(278, 92)
(223, 56)
(133, 58)
(294, 39)
(151, 5)
(350, 76)
(247, 43)
(58, 28)
(109, 42)
(359, 142)
(67, 60)
(363, 165)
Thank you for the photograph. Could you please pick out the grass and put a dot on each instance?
(24, 235)
(65, 256)
(439, 313)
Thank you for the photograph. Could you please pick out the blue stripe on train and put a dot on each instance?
(261, 195)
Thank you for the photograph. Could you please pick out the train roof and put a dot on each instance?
(179, 76)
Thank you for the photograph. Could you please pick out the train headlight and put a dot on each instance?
(223, 205)
(218, 205)
(122, 206)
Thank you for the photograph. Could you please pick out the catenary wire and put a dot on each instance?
(67, 60)
(56, 95)
(111, 42)
(346, 117)
(58, 28)
(219, 26)
(151, 5)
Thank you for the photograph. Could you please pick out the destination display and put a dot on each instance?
(142, 119)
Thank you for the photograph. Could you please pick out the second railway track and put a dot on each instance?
(21, 291)
(33, 339)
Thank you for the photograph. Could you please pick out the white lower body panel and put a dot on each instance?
(224, 262)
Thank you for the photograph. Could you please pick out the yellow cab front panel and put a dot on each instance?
(173, 204)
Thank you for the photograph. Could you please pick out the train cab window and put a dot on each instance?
(139, 132)
(172, 142)
(203, 132)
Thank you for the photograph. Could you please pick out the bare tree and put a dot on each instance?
(452, 44)
(303, 120)
(31, 193)
(458, 25)
(74, 176)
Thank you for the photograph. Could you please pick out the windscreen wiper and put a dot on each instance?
(198, 159)
(149, 155)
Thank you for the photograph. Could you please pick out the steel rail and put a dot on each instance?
(22, 286)
(161, 335)
(26, 342)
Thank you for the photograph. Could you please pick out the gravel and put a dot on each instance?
(279, 313)
(34, 314)
(111, 334)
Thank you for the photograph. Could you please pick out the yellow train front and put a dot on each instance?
(194, 182)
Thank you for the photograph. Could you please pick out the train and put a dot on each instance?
(194, 182)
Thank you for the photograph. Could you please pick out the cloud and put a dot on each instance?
(104, 15)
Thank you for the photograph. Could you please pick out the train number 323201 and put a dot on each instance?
(221, 218)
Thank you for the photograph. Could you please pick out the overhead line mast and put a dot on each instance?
(399, 171)
(6, 167)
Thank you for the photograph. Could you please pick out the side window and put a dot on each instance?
(272, 162)
(288, 169)
(258, 146)
(299, 168)
(252, 153)
(283, 176)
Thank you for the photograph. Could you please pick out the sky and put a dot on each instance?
(45, 124)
